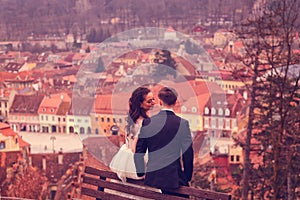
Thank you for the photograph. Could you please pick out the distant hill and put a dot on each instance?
(22, 18)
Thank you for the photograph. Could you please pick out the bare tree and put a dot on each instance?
(268, 37)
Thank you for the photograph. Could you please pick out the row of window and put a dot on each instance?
(63, 119)
(228, 86)
(221, 112)
(237, 158)
(220, 123)
(108, 120)
(5, 104)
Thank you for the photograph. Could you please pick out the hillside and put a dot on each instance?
(22, 18)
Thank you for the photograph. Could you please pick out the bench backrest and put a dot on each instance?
(101, 180)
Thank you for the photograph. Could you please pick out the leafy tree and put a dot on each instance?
(166, 65)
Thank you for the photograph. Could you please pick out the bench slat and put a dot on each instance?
(101, 195)
(195, 192)
(129, 189)
(103, 173)
(201, 193)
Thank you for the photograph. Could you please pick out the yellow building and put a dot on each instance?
(10, 140)
(110, 111)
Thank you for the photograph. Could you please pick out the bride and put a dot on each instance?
(140, 103)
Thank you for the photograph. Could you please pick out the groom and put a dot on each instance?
(167, 138)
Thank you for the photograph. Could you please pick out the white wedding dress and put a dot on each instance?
(123, 162)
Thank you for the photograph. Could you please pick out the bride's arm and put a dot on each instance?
(134, 142)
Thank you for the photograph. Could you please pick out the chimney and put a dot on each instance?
(60, 157)
(245, 95)
(30, 160)
(44, 163)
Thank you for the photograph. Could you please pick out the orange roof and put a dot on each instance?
(7, 75)
(22, 143)
(3, 125)
(8, 132)
(50, 104)
(112, 103)
(79, 56)
(71, 78)
(198, 102)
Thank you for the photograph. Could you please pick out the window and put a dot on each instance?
(96, 119)
(220, 123)
(194, 109)
(53, 118)
(102, 119)
(237, 158)
(89, 130)
(97, 131)
(232, 158)
(183, 109)
(206, 110)
(51, 110)
(227, 112)
(213, 111)
(64, 119)
(206, 123)
(71, 120)
(59, 119)
(2, 145)
(108, 119)
(120, 120)
(42, 117)
(213, 123)
(46, 118)
(44, 109)
(79, 120)
(220, 111)
(227, 123)
(81, 130)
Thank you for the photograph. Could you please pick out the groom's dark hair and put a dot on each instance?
(168, 95)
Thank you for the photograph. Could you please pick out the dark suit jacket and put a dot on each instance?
(167, 138)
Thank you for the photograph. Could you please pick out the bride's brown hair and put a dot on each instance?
(135, 109)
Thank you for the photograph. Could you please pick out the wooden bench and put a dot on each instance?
(95, 182)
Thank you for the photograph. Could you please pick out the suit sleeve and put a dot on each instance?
(187, 150)
(139, 154)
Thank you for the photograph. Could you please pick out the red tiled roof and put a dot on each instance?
(81, 106)
(198, 102)
(112, 104)
(6, 131)
(50, 104)
(3, 126)
(26, 104)
(63, 108)
(13, 66)
(23, 143)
